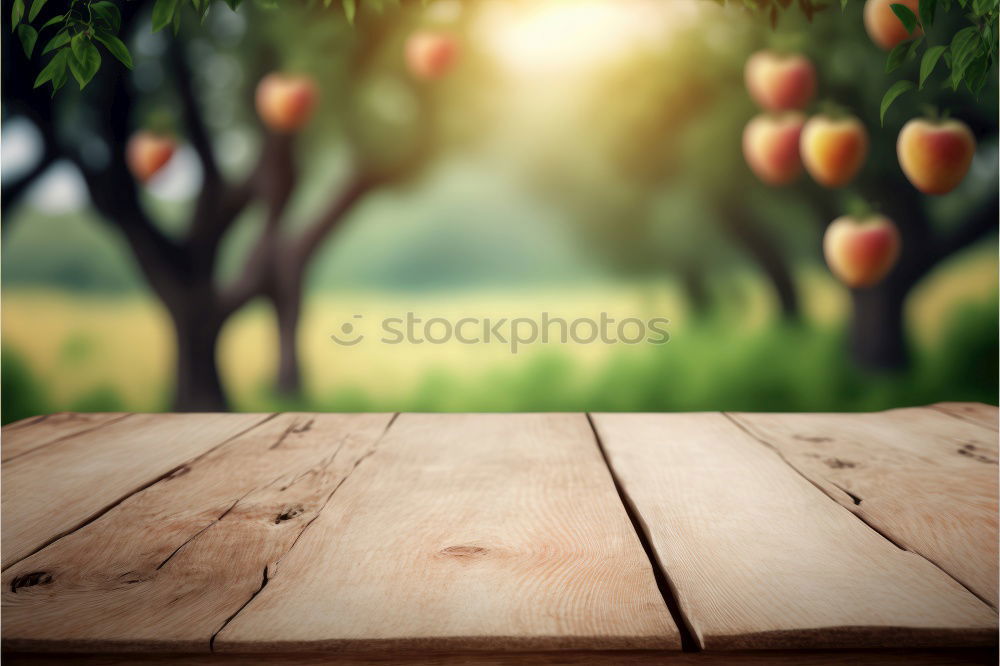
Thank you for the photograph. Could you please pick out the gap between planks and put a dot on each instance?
(688, 641)
(266, 578)
(857, 500)
(135, 491)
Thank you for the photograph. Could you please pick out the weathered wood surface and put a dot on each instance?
(51, 490)
(181, 557)
(941, 657)
(926, 480)
(307, 538)
(977, 412)
(759, 558)
(478, 531)
(34, 433)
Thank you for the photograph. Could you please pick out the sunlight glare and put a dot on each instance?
(561, 37)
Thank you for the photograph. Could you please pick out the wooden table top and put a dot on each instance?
(485, 538)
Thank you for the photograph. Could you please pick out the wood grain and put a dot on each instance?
(54, 489)
(34, 433)
(949, 657)
(760, 558)
(926, 480)
(465, 531)
(977, 412)
(166, 568)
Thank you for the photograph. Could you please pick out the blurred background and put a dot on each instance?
(581, 157)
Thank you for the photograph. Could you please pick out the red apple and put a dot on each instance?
(285, 102)
(860, 252)
(147, 152)
(771, 146)
(934, 155)
(834, 149)
(884, 27)
(430, 55)
(780, 82)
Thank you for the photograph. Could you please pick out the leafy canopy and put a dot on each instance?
(76, 36)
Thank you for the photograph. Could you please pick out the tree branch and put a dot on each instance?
(274, 179)
(302, 249)
(197, 133)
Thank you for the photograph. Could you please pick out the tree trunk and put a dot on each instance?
(693, 281)
(286, 298)
(878, 341)
(289, 375)
(198, 387)
(755, 241)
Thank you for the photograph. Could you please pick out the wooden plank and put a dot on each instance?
(948, 657)
(985, 415)
(30, 434)
(760, 558)
(164, 569)
(926, 480)
(465, 531)
(55, 489)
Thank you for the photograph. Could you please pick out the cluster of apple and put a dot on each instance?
(934, 155)
(285, 102)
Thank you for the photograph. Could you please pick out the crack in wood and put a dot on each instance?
(689, 643)
(271, 569)
(30, 580)
(263, 584)
(294, 429)
(854, 498)
(959, 416)
(66, 436)
(149, 484)
(857, 502)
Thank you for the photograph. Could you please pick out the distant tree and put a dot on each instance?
(92, 128)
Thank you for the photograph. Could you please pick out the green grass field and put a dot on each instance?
(67, 351)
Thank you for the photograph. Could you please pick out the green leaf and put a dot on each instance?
(28, 37)
(36, 7)
(897, 55)
(350, 9)
(16, 13)
(897, 89)
(85, 62)
(78, 44)
(54, 69)
(905, 15)
(52, 21)
(61, 39)
(929, 62)
(163, 13)
(115, 47)
(965, 46)
(109, 13)
(927, 9)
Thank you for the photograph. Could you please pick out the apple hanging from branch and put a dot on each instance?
(771, 146)
(780, 82)
(834, 148)
(147, 152)
(935, 155)
(861, 251)
(430, 55)
(884, 27)
(285, 102)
